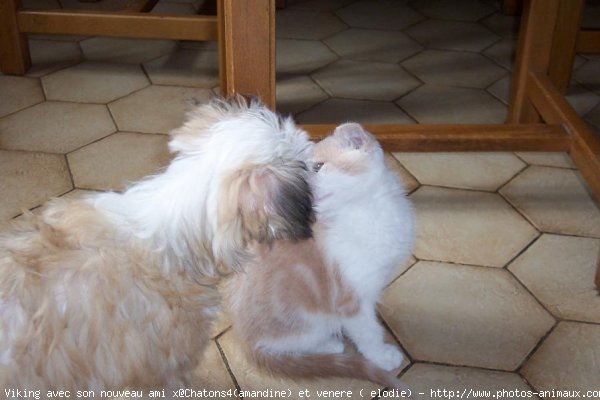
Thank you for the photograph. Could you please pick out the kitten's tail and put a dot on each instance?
(315, 366)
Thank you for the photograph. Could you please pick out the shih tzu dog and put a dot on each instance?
(118, 290)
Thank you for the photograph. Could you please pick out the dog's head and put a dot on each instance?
(256, 179)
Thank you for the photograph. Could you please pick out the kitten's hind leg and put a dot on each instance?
(367, 334)
(317, 341)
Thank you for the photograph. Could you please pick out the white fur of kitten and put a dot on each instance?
(296, 300)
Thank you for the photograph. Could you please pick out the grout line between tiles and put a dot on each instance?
(539, 344)
(226, 362)
(70, 172)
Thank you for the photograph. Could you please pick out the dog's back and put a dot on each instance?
(76, 298)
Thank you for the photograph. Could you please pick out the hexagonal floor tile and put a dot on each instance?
(335, 111)
(18, 93)
(301, 56)
(503, 53)
(463, 315)
(402, 268)
(250, 377)
(173, 8)
(559, 271)
(55, 127)
(406, 179)
(582, 100)
(432, 380)
(40, 4)
(300, 24)
(454, 68)
(156, 109)
(49, 55)
(107, 5)
(321, 5)
(452, 35)
(479, 171)
(461, 10)
(555, 200)
(125, 50)
(594, 116)
(567, 360)
(365, 80)
(506, 26)
(580, 60)
(501, 89)
(196, 45)
(588, 75)
(94, 82)
(561, 160)
(197, 4)
(380, 14)
(29, 179)
(211, 373)
(373, 45)
(434, 104)
(467, 227)
(118, 160)
(78, 194)
(297, 93)
(195, 68)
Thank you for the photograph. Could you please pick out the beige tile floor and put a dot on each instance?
(499, 294)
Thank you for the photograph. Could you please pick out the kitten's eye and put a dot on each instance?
(317, 166)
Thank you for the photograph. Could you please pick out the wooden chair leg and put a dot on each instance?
(534, 48)
(14, 49)
(247, 48)
(568, 24)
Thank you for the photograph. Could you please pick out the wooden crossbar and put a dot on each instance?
(120, 24)
(554, 109)
(476, 137)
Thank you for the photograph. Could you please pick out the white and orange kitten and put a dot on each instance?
(296, 300)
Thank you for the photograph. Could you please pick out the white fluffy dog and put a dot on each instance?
(118, 290)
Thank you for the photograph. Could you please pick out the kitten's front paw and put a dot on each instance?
(389, 357)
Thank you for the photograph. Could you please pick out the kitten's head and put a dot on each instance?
(350, 150)
(343, 163)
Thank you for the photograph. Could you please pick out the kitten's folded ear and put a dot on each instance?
(353, 135)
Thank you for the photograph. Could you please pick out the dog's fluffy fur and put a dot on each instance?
(117, 290)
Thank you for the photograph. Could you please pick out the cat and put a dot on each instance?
(297, 299)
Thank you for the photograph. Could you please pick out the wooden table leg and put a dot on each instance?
(535, 44)
(14, 49)
(247, 48)
(568, 24)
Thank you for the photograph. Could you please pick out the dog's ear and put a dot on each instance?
(265, 203)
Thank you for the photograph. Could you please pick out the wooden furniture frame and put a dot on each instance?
(133, 21)
(539, 118)
(238, 26)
